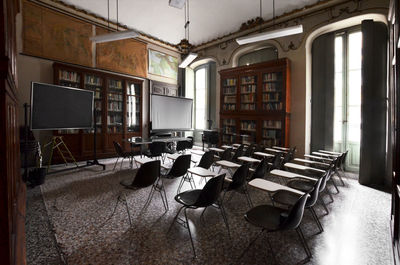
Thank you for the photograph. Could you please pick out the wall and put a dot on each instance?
(226, 52)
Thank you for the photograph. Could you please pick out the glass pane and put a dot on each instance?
(355, 43)
(200, 104)
(133, 108)
(248, 92)
(338, 104)
(114, 106)
(94, 83)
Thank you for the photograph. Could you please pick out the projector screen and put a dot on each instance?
(171, 113)
(58, 107)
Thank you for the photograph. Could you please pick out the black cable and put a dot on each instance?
(117, 15)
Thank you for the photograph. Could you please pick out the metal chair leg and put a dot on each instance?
(323, 205)
(315, 216)
(165, 195)
(272, 251)
(116, 162)
(190, 234)
(174, 220)
(149, 197)
(223, 213)
(127, 209)
(330, 194)
(304, 242)
(122, 161)
(251, 243)
(334, 184)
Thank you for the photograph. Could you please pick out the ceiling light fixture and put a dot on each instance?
(191, 55)
(270, 34)
(113, 36)
(177, 3)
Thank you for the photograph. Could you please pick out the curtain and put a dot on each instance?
(322, 92)
(373, 103)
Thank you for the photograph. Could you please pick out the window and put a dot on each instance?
(258, 56)
(347, 110)
(200, 102)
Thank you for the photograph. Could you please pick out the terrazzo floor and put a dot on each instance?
(70, 220)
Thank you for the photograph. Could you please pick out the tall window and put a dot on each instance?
(200, 110)
(347, 114)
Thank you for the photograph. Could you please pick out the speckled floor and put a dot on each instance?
(70, 220)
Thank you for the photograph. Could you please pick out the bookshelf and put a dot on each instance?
(118, 106)
(255, 103)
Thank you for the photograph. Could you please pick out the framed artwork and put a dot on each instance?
(170, 92)
(163, 64)
(158, 90)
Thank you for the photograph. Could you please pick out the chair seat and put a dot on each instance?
(188, 198)
(127, 183)
(286, 198)
(266, 216)
(300, 185)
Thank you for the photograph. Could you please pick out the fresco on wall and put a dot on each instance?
(55, 36)
(124, 56)
(163, 65)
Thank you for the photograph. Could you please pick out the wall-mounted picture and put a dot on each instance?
(158, 90)
(163, 64)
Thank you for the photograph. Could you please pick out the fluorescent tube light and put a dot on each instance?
(177, 3)
(270, 34)
(189, 58)
(120, 35)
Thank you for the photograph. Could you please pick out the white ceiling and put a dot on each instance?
(209, 19)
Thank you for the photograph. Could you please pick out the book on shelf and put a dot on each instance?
(248, 98)
(272, 124)
(230, 82)
(271, 87)
(115, 84)
(271, 97)
(273, 106)
(115, 106)
(248, 89)
(270, 77)
(248, 106)
(229, 106)
(248, 125)
(230, 90)
(116, 97)
(248, 80)
(229, 99)
(92, 80)
(69, 76)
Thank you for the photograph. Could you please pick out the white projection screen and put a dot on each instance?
(171, 113)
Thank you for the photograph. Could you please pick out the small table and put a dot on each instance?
(275, 150)
(311, 162)
(201, 172)
(323, 154)
(289, 175)
(330, 152)
(249, 159)
(263, 154)
(218, 150)
(303, 168)
(226, 146)
(319, 158)
(269, 186)
(228, 165)
(197, 152)
(143, 160)
(281, 148)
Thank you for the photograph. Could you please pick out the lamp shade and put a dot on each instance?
(120, 35)
(189, 58)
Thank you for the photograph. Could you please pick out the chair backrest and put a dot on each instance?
(344, 158)
(295, 214)
(182, 145)
(260, 171)
(292, 151)
(314, 193)
(249, 151)
(191, 141)
(147, 174)
(210, 192)
(277, 162)
(286, 158)
(206, 160)
(259, 148)
(157, 148)
(239, 177)
(180, 166)
(118, 148)
(227, 154)
(326, 177)
(238, 153)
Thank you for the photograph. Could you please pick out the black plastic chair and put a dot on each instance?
(289, 198)
(277, 162)
(249, 151)
(156, 149)
(261, 169)
(306, 185)
(238, 183)
(147, 175)
(191, 142)
(179, 169)
(226, 155)
(238, 153)
(207, 159)
(203, 198)
(273, 219)
(122, 153)
(181, 146)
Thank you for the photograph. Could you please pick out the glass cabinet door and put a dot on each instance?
(272, 133)
(229, 94)
(272, 91)
(228, 131)
(133, 107)
(248, 92)
(114, 106)
(248, 131)
(95, 84)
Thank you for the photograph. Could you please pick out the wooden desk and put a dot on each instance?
(281, 148)
(319, 158)
(218, 150)
(197, 152)
(141, 161)
(248, 159)
(275, 150)
(263, 154)
(330, 152)
(323, 154)
(311, 162)
(289, 175)
(303, 168)
(227, 165)
(201, 172)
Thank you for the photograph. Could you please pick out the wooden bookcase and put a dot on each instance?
(118, 105)
(255, 103)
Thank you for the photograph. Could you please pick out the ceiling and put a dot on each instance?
(209, 19)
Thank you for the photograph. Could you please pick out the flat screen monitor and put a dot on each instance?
(57, 107)
(171, 113)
